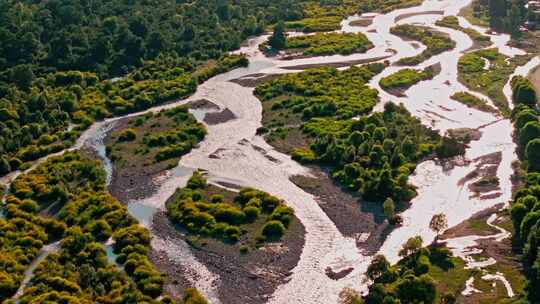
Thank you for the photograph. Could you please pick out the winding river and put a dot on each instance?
(239, 162)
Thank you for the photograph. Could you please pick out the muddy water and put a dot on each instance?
(238, 162)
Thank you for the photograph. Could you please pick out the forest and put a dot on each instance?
(526, 203)
(320, 44)
(503, 16)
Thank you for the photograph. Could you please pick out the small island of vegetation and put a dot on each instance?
(403, 79)
(323, 44)
(474, 102)
(435, 42)
(143, 146)
(491, 80)
(250, 217)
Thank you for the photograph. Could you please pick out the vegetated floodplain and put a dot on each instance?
(328, 44)
(474, 102)
(525, 210)
(435, 42)
(53, 112)
(146, 145)
(423, 275)
(490, 81)
(245, 220)
(402, 80)
(452, 22)
(65, 199)
(320, 117)
(327, 16)
(534, 77)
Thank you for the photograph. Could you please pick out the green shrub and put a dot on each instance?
(196, 181)
(230, 215)
(244, 249)
(252, 213)
(217, 198)
(273, 230)
(221, 219)
(127, 135)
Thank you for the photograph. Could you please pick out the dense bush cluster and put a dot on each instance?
(34, 122)
(370, 154)
(80, 273)
(526, 204)
(212, 216)
(323, 16)
(489, 81)
(65, 199)
(435, 42)
(404, 79)
(326, 16)
(415, 278)
(327, 44)
(22, 234)
(324, 92)
(375, 154)
(453, 23)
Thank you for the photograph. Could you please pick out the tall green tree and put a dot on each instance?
(278, 40)
(497, 13)
(389, 209)
(532, 152)
(516, 20)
